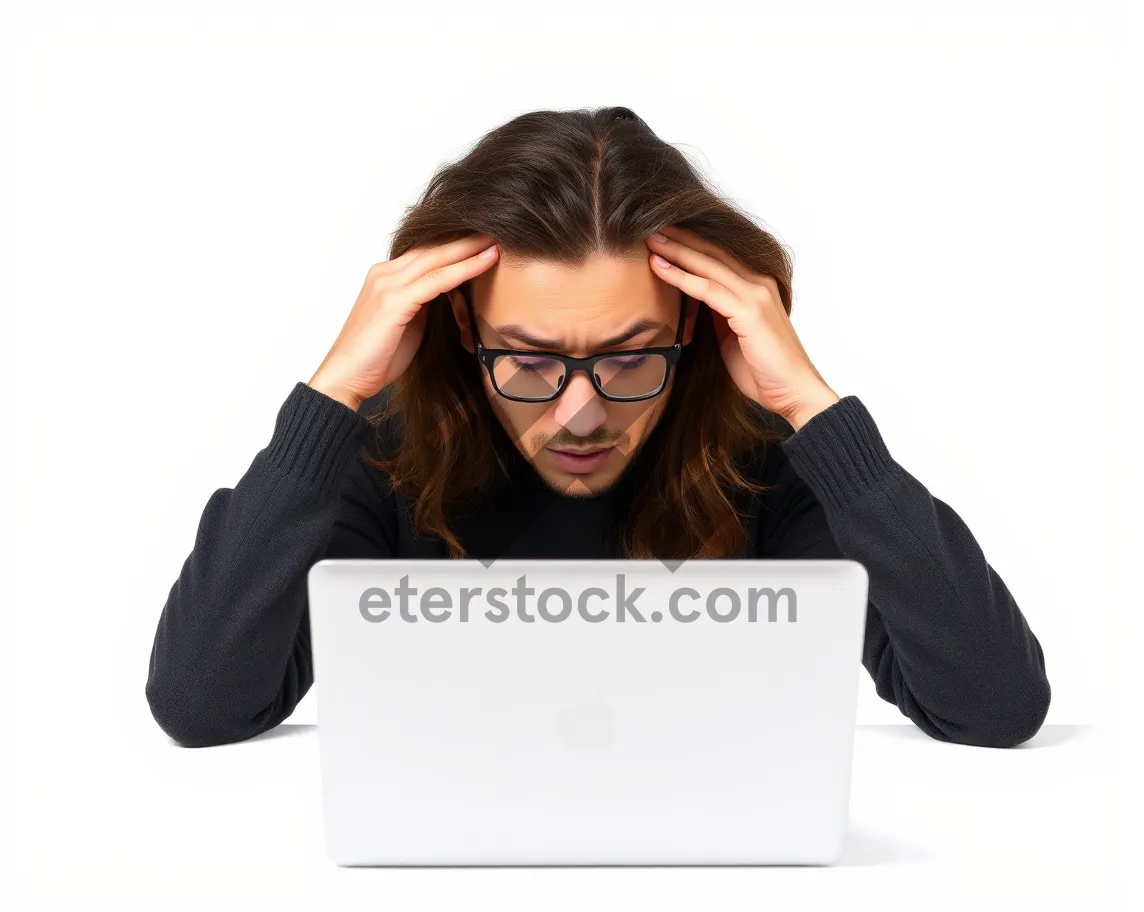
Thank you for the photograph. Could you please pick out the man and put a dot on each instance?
(582, 410)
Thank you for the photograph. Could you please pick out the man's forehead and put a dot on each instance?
(557, 301)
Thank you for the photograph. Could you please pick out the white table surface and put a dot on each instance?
(935, 825)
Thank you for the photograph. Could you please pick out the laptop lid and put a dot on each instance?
(586, 711)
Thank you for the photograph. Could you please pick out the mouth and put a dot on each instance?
(580, 462)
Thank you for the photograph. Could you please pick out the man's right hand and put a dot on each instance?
(387, 323)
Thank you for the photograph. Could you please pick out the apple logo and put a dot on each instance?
(586, 726)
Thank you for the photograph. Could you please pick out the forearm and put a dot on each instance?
(945, 640)
(231, 652)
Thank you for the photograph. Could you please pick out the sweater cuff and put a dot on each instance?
(314, 436)
(840, 453)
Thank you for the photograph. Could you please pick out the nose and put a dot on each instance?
(579, 408)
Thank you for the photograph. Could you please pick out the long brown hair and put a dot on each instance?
(559, 186)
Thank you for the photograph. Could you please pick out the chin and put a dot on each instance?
(591, 484)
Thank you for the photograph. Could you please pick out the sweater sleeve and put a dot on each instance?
(231, 654)
(945, 640)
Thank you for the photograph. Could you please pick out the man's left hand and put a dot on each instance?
(759, 345)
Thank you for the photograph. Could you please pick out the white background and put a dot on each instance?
(190, 202)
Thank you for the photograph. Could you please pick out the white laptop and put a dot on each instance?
(586, 712)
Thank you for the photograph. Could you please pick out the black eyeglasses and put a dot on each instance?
(538, 376)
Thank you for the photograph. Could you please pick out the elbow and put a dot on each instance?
(1003, 723)
(1017, 712)
(1019, 720)
(996, 703)
(192, 723)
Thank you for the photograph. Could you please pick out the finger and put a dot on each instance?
(717, 296)
(698, 263)
(752, 280)
(713, 250)
(449, 276)
(429, 257)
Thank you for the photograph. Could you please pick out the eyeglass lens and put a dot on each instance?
(539, 378)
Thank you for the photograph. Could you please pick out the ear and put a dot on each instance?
(461, 316)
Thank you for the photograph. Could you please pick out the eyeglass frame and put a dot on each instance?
(671, 353)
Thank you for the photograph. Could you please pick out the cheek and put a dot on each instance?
(635, 420)
(526, 423)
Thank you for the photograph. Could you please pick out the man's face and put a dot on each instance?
(579, 443)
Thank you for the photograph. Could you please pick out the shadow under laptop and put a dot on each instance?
(865, 848)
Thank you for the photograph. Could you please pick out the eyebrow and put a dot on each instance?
(521, 334)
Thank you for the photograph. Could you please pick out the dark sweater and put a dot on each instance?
(944, 640)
